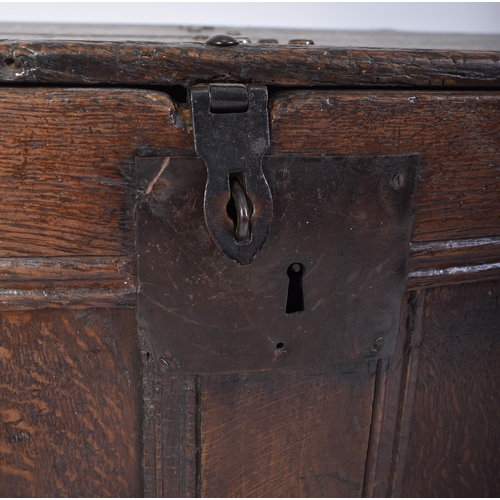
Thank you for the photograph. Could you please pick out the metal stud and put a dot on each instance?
(222, 40)
(398, 181)
(377, 345)
(300, 41)
(243, 39)
(268, 40)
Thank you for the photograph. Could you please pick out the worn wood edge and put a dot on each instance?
(394, 394)
(198, 446)
(455, 275)
(437, 252)
(387, 390)
(34, 283)
(408, 388)
(441, 263)
(171, 429)
(148, 435)
(379, 402)
(96, 281)
(129, 63)
(20, 269)
(110, 294)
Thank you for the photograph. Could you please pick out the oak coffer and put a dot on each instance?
(248, 263)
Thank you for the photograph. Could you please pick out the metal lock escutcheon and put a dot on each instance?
(325, 290)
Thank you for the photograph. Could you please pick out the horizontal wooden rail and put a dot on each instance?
(141, 63)
(32, 283)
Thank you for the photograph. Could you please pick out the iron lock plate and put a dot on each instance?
(345, 220)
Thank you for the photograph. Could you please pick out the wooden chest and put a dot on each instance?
(139, 357)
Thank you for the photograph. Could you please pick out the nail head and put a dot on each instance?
(301, 41)
(222, 40)
(398, 180)
(281, 174)
(243, 39)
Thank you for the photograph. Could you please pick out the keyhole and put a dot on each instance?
(295, 298)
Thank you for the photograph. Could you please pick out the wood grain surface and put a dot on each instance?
(68, 220)
(393, 402)
(154, 63)
(454, 446)
(70, 410)
(457, 135)
(39, 282)
(170, 431)
(291, 434)
(66, 167)
(449, 262)
(171, 436)
(445, 254)
(66, 171)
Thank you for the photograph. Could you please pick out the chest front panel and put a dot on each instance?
(88, 408)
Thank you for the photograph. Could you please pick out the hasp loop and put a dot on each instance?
(231, 135)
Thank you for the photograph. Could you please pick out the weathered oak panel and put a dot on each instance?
(38, 282)
(393, 403)
(70, 411)
(170, 434)
(454, 447)
(457, 135)
(66, 166)
(67, 159)
(289, 434)
(154, 63)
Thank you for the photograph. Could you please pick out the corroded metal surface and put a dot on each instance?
(346, 220)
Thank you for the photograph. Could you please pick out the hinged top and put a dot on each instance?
(167, 55)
